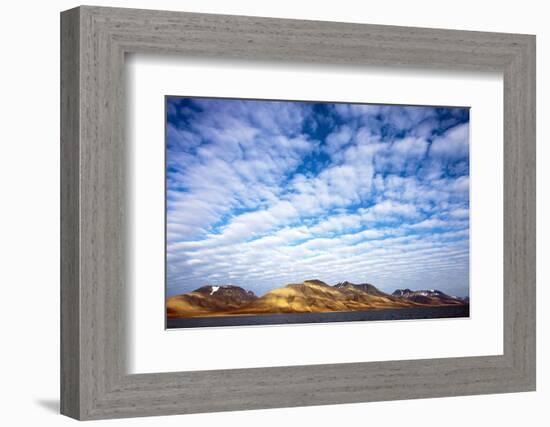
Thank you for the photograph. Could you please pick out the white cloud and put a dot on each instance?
(392, 208)
(460, 213)
(429, 223)
(452, 144)
(337, 139)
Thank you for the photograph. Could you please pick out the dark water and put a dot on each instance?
(350, 316)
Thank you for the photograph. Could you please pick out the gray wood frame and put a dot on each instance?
(94, 382)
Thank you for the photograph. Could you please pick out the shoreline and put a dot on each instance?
(378, 314)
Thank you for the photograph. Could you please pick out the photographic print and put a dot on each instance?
(303, 212)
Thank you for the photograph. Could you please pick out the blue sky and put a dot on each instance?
(265, 193)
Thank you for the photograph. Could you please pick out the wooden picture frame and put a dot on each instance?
(94, 381)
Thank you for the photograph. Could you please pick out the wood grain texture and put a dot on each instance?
(70, 291)
(95, 383)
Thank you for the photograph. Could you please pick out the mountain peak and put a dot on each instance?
(344, 284)
(427, 296)
(223, 290)
(365, 287)
(401, 292)
(316, 282)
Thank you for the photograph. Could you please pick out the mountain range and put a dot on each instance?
(310, 296)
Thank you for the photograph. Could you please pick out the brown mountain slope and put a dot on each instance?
(314, 296)
(311, 296)
(308, 297)
(208, 300)
(369, 294)
(427, 297)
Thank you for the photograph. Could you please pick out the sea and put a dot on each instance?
(439, 312)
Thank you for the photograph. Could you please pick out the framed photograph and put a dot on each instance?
(346, 211)
(277, 210)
